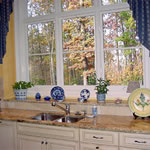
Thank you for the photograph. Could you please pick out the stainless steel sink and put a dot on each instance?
(69, 119)
(57, 118)
(47, 116)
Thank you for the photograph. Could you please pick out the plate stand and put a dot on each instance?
(135, 117)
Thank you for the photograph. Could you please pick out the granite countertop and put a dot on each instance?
(101, 122)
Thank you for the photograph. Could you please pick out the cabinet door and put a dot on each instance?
(55, 144)
(7, 136)
(85, 146)
(30, 143)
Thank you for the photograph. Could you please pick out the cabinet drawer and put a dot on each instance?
(85, 146)
(99, 137)
(123, 148)
(139, 141)
(48, 131)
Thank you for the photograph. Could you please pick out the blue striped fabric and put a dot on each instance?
(6, 9)
(141, 13)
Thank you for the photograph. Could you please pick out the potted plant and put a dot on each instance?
(101, 88)
(20, 89)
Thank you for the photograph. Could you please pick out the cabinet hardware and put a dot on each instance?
(46, 143)
(95, 137)
(140, 141)
(97, 147)
(42, 142)
(0, 121)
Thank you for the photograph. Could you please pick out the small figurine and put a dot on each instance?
(38, 96)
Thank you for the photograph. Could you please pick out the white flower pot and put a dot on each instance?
(21, 94)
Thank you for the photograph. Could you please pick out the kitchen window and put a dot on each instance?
(68, 43)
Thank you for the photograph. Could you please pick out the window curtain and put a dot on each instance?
(5, 11)
(141, 14)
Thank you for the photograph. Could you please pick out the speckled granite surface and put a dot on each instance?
(101, 122)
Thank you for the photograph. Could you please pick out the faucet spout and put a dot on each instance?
(67, 109)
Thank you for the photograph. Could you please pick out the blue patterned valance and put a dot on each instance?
(5, 11)
(141, 13)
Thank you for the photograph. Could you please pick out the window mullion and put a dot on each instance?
(99, 45)
(59, 53)
(146, 70)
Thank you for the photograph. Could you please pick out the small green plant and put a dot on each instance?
(22, 85)
(101, 86)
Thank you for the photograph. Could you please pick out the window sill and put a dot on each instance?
(72, 101)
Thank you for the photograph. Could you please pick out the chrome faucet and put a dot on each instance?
(67, 109)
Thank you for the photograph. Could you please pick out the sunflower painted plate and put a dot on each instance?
(139, 102)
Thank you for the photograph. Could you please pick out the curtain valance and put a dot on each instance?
(141, 13)
(5, 11)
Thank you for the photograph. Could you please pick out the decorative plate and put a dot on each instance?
(139, 102)
(57, 93)
(85, 94)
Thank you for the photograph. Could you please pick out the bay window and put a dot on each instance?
(70, 43)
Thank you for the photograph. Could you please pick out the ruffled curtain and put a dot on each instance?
(5, 11)
(141, 13)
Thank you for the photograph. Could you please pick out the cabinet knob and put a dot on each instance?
(97, 147)
(42, 142)
(46, 143)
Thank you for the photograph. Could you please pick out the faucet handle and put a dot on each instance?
(84, 112)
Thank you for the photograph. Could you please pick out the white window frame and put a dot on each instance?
(22, 73)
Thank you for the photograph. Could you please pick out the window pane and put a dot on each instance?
(40, 7)
(122, 66)
(119, 30)
(43, 69)
(41, 38)
(68, 5)
(108, 2)
(79, 68)
(78, 34)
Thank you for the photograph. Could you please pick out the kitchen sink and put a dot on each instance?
(69, 119)
(47, 116)
(57, 118)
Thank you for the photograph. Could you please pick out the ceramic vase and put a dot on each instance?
(101, 97)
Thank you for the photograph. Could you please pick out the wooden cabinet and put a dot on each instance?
(47, 137)
(135, 141)
(95, 139)
(7, 135)
(43, 137)
(38, 143)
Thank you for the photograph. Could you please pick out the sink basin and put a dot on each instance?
(57, 118)
(69, 119)
(47, 116)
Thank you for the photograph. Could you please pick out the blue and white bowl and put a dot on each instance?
(47, 98)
